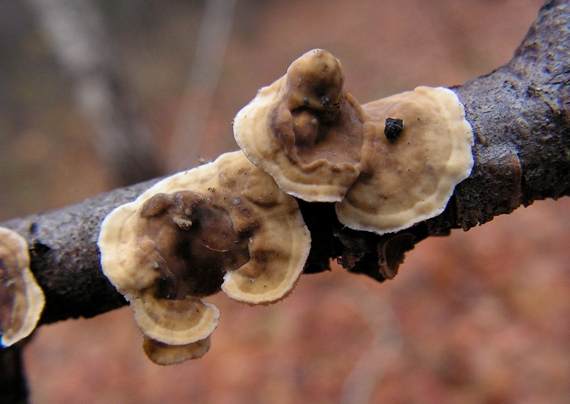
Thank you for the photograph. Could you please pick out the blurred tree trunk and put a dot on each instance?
(78, 38)
(203, 80)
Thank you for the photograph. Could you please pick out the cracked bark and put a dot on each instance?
(520, 115)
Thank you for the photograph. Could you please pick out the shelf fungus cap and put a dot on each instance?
(165, 354)
(175, 322)
(417, 148)
(305, 130)
(21, 298)
(179, 240)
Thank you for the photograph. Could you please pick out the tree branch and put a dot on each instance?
(520, 115)
(521, 119)
(13, 386)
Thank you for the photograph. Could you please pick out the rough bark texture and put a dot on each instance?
(65, 259)
(521, 119)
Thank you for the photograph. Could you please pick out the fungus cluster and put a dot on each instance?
(21, 298)
(221, 226)
(235, 225)
(387, 165)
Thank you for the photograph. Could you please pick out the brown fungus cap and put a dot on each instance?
(305, 130)
(199, 231)
(164, 354)
(409, 170)
(21, 298)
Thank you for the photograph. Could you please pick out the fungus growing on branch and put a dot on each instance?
(175, 322)
(388, 164)
(305, 130)
(175, 330)
(224, 225)
(21, 298)
(408, 178)
(233, 225)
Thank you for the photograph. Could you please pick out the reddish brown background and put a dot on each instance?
(477, 317)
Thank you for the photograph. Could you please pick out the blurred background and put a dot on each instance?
(95, 95)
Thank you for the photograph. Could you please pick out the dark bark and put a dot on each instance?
(13, 386)
(521, 119)
(65, 259)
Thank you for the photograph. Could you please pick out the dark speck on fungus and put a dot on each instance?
(393, 127)
(411, 172)
(321, 145)
(302, 136)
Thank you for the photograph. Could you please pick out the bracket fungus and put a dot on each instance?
(21, 298)
(409, 170)
(175, 330)
(234, 224)
(305, 130)
(164, 354)
(388, 164)
(224, 225)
